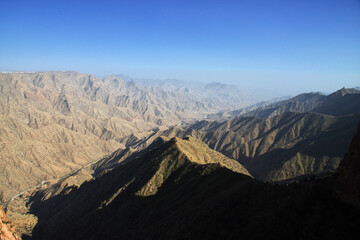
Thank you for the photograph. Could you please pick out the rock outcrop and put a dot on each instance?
(349, 172)
(7, 232)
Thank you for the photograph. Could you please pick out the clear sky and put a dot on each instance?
(289, 45)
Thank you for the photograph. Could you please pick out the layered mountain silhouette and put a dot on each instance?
(281, 147)
(53, 123)
(175, 191)
(111, 158)
(342, 102)
(225, 97)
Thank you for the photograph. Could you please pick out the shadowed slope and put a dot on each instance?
(277, 148)
(194, 201)
(349, 171)
(140, 177)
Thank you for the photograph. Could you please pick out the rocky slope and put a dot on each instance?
(349, 172)
(7, 232)
(165, 195)
(53, 123)
(30, 156)
(273, 149)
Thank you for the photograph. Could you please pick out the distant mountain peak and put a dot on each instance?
(342, 102)
(344, 91)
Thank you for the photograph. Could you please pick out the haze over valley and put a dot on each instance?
(62, 129)
(179, 120)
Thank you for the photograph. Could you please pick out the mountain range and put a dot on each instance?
(90, 158)
(342, 102)
(175, 191)
(53, 123)
(278, 148)
(227, 96)
(287, 139)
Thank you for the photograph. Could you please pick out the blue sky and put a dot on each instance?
(289, 45)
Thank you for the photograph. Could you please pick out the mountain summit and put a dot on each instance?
(156, 172)
(178, 190)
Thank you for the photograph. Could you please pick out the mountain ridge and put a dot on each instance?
(273, 149)
(341, 102)
(73, 111)
(197, 201)
(146, 175)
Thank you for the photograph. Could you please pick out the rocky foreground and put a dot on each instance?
(7, 231)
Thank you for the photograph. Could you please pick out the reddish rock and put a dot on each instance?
(7, 232)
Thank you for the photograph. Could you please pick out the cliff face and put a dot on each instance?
(7, 232)
(349, 172)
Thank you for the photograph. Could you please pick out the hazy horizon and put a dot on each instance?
(285, 46)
